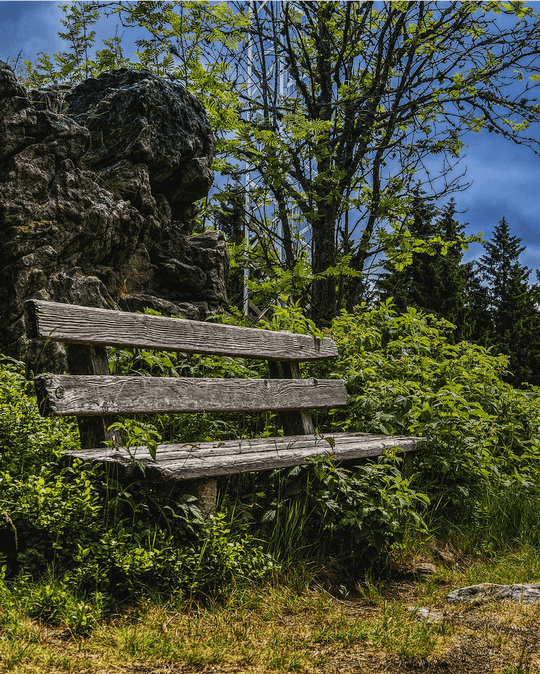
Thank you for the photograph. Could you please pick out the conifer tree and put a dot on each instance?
(435, 280)
(478, 319)
(513, 305)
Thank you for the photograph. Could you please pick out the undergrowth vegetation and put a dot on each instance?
(77, 540)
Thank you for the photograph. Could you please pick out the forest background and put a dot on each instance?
(338, 154)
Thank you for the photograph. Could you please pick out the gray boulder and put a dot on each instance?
(478, 594)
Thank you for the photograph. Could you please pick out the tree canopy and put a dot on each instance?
(328, 113)
(513, 320)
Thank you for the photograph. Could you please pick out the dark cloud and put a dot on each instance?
(506, 183)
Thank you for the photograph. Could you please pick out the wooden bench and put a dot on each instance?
(96, 397)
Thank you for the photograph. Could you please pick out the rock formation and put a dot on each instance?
(98, 184)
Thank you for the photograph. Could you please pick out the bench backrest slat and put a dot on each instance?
(105, 395)
(74, 324)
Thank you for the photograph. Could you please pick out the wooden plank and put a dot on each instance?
(61, 395)
(225, 447)
(212, 459)
(85, 325)
(331, 442)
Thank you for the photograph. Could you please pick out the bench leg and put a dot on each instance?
(407, 464)
(206, 493)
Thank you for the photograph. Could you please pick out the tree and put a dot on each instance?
(513, 305)
(334, 110)
(230, 219)
(436, 278)
(478, 317)
(78, 62)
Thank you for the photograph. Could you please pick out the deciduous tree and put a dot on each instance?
(334, 110)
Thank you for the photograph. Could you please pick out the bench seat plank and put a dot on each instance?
(73, 324)
(86, 395)
(214, 459)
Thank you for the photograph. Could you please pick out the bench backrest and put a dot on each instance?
(73, 324)
(90, 391)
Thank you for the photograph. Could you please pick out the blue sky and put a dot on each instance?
(505, 177)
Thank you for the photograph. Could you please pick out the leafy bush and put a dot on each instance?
(323, 509)
(144, 559)
(482, 448)
(93, 531)
(47, 507)
(94, 537)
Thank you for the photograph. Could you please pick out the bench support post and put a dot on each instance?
(407, 464)
(294, 423)
(206, 493)
(207, 497)
(83, 359)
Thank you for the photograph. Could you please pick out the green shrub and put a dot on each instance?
(323, 509)
(93, 531)
(94, 537)
(47, 506)
(143, 559)
(482, 449)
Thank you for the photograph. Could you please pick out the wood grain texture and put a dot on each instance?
(85, 325)
(212, 459)
(62, 395)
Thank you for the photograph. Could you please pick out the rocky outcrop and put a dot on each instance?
(98, 185)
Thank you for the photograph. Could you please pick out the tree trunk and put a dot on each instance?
(324, 305)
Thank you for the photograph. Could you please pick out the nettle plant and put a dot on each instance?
(46, 505)
(123, 537)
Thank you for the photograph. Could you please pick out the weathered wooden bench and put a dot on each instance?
(96, 397)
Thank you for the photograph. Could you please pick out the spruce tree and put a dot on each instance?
(513, 305)
(436, 279)
(478, 319)
(407, 285)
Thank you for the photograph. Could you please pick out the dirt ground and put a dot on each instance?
(316, 631)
